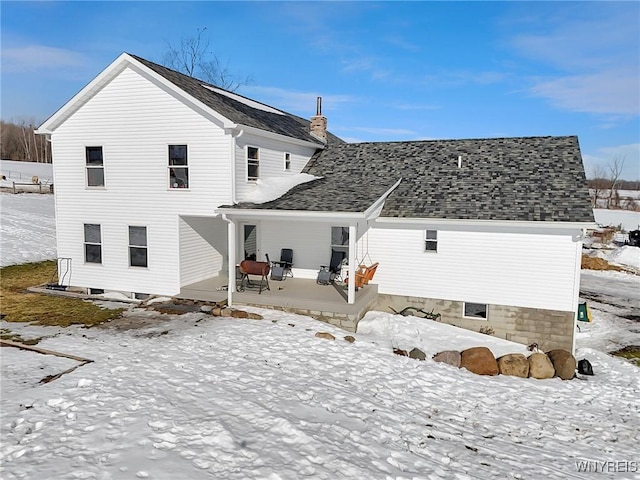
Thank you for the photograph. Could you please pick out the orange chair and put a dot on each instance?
(364, 275)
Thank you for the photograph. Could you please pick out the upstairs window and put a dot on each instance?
(287, 161)
(95, 166)
(178, 167)
(138, 246)
(253, 163)
(92, 243)
(431, 241)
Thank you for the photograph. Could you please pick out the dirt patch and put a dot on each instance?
(595, 263)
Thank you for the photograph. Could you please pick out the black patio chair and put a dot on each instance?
(328, 273)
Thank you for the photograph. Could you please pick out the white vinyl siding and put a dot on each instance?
(135, 121)
(203, 248)
(271, 160)
(518, 269)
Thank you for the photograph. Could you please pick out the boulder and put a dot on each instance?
(479, 360)
(325, 335)
(563, 363)
(350, 339)
(417, 354)
(450, 357)
(514, 364)
(206, 308)
(402, 353)
(239, 314)
(540, 366)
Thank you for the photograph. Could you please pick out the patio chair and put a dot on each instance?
(328, 273)
(364, 275)
(280, 270)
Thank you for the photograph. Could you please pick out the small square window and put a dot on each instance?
(476, 310)
(138, 246)
(287, 161)
(431, 241)
(178, 167)
(95, 166)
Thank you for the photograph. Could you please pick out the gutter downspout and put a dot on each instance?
(234, 139)
(231, 258)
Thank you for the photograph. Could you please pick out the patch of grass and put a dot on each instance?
(631, 353)
(6, 334)
(18, 305)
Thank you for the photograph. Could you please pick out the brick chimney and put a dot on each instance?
(318, 127)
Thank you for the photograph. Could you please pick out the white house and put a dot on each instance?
(155, 171)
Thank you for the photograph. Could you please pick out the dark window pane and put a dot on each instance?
(177, 154)
(92, 233)
(432, 234)
(477, 310)
(93, 253)
(179, 177)
(94, 156)
(339, 235)
(95, 177)
(252, 169)
(138, 236)
(138, 256)
(252, 153)
(431, 246)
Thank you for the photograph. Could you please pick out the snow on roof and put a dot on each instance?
(244, 100)
(270, 188)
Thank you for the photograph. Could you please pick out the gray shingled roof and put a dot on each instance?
(238, 112)
(517, 179)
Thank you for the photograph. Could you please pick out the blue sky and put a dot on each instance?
(385, 70)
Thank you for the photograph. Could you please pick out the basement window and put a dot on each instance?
(431, 241)
(95, 166)
(178, 167)
(475, 310)
(253, 163)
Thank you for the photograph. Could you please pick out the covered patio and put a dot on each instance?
(299, 295)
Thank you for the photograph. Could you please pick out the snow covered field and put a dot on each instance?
(629, 220)
(202, 397)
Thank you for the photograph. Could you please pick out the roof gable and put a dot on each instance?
(228, 108)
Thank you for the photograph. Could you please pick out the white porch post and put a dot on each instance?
(351, 296)
(232, 247)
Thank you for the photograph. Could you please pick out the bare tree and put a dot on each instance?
(615, 170)
(194, 58)
(598, 184)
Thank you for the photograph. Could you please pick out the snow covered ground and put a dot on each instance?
(628, 219)
(24, 171)
(202, 397)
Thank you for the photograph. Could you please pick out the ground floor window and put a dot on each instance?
(92, 243)
(138, 246)
(475, 310)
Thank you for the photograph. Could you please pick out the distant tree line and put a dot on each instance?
(18, 141)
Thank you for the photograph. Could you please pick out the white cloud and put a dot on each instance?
(33, 58)
(608, 92)
(302, 102)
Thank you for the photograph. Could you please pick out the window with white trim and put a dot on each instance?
(92, 243)
(95, 166)
(431, 241)
(138, 246)
(253, 163)
(287, 161)
(479, 311)
(178, 167)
